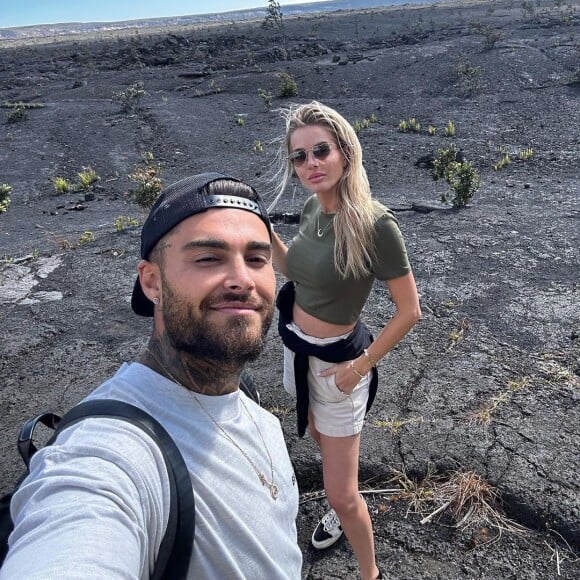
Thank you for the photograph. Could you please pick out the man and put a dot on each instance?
(95, 504)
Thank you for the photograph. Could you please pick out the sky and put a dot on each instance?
(28, 12)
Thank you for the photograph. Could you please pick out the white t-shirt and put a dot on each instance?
(96, 503)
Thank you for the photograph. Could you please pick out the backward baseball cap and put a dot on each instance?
(179, 201)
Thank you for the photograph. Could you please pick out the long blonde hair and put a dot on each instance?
(354, 220)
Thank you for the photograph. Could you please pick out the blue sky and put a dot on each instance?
(27, 12)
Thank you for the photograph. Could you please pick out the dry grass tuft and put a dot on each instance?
(395, 425)
(418, 494)
(474, 504)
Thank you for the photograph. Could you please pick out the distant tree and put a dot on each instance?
(273, 17)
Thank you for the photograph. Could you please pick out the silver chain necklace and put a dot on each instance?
(321, 231)
(271, 485)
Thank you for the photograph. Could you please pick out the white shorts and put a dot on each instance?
(335, 413)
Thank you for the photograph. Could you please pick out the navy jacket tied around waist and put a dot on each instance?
(345, 349)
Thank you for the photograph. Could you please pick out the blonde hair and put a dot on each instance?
(354, 220)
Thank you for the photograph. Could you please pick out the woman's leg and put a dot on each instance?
(340, 458)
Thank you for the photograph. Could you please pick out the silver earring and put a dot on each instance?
(156, 300)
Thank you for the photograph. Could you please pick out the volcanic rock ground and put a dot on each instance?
(487, 383)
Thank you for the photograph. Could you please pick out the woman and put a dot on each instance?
(346, 240)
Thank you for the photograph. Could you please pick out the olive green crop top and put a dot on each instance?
(320, 291)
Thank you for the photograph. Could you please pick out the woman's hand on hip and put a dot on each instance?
(345, 379)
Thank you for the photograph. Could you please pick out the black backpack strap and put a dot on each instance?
(176, 547)
(248, 386)
(25, 443)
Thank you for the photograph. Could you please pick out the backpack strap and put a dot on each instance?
(248, 386)
(176, 547)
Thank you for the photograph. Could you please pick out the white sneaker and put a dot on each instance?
(327, 532)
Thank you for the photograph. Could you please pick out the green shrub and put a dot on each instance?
(468, 78)
(61, 185)
(410, 125)
(266, 96)
(449, 130)
(274, 16)
(18, 110)
(288, 86)
(358, 126)
(147, 176)
(443, 162)
(123, 222)
(87, 177)
(130, 98)
(5, 191)
(462, 178)
(505, 159)
(86, 238)
(18, 113)
(525, 154)
(490, 35)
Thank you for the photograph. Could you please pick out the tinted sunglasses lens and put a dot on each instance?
(299, 157)
(321, 151)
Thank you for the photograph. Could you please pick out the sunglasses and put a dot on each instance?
(320, 151)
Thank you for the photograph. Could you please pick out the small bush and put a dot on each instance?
(274, 16)
(123, 222)
(18, 110)
(443, 161)
(525, 154)
(258, 147)
(266, 96)
(462, 178)
(288, 86)
(130, 98)
(411, 125)
(5, 191)
(358, 126)
(86, 238)
(431, 131)
(241, 120)
(18, 113)
(505, 159)
(449, 130)
(61, 185)
(490, 35)
(87, 177)
(468, 78)
(147, 176)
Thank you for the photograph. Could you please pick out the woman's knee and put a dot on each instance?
(344, 503)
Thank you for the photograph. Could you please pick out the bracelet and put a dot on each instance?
(351, 366)
(368, 355)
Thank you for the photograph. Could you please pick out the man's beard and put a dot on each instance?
(234, 343)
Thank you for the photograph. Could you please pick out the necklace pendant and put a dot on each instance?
(273, 491)
(320, 232)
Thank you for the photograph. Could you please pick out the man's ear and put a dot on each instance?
(150, 279)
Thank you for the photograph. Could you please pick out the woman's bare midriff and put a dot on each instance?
(312, 326)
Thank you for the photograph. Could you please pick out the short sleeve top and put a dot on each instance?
(320, 290)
